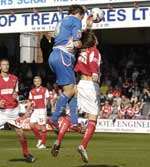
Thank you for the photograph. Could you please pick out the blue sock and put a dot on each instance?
(60, 105)
(73, 110)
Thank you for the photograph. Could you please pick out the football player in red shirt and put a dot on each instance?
(88, 94)
(9, 108)
(39, 96)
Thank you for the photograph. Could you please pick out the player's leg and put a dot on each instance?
(3, 118)
(73, 110)
(68, 122)
(92, 119)
(62, 64)
(68, 92)
(24, 145)
(74, 115)
(35, 128)
(42, 126)
(11, 118)
(43, 136)
(41, 144)
(87, 137)
(65, 124)
(89, 103)
(36, 132)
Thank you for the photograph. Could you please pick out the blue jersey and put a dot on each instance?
(68, 29)
(61, 59)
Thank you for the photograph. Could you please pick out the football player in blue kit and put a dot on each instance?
(61, 61)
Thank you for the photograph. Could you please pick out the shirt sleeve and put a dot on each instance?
(47, 94)
(30, 96)
(16, 88)
(77, 30)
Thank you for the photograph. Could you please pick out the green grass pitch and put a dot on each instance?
(105, 150)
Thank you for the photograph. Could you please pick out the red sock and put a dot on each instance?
(88, 133)
(43, 137)
(63, 129)
(36, 133)
(24, 145)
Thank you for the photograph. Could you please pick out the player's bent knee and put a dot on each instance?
(92, 117)
(32, 125)
(69, 90)
(19, 132)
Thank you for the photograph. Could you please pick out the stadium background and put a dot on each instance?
(26, 30)
(21, 44)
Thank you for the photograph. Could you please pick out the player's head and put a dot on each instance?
(88, 39)
(77, 10)
(37, 81)
(4, 65)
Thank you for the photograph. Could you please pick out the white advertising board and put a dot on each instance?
(47, 21)
(122, 126)
(16, 4)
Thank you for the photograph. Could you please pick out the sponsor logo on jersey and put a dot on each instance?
(37, 97)
(6, 91)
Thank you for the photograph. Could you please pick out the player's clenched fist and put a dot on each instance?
(89, 22)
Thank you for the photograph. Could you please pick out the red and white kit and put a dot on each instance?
(39, 98)
(88, 65)
(8, 90)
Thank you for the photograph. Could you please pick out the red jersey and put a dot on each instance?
(39, 97)
(8, 87)
(88, 62)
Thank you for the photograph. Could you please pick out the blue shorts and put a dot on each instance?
(62, 64)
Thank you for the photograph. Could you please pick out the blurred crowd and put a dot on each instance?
(125, 83)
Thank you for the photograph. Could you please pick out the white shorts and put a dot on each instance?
(9, 116)
(39, 116)
(88, 97)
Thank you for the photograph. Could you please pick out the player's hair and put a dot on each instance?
(37, 77)
(88, 39)
(3, 59)
(74, 9)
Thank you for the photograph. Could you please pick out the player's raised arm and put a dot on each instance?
(78, 13)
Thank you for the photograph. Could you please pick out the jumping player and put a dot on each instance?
(9, 109)
(62, 59)
(39, 96)
(88, 66)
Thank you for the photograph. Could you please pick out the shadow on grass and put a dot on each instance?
(17, 160)
(98, 165)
